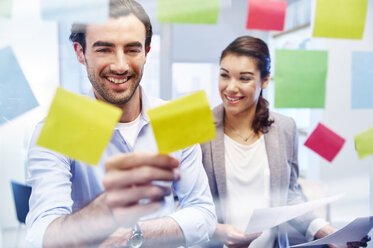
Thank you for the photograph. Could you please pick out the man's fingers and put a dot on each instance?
(125, 161)
(129, 196)
(138, 176)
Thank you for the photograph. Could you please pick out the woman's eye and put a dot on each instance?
(223, 75)
(245, 79)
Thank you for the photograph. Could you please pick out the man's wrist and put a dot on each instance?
(136, 239)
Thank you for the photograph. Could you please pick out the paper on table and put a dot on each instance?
(78, 127)
(354, 231)
(266, 15)
(183, 122)
(266, 218)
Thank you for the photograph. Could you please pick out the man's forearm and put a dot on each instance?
(87, 227)
(163, 232)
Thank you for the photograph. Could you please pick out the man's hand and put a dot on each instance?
(232, 236)
(327, 230)
(129, 179)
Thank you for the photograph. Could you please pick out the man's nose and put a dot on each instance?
(119, 64)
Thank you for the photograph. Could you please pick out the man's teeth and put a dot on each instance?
(117, 81)
(233, 99)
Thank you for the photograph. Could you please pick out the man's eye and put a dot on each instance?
(134, 50)
(103, 50)
(245, 79)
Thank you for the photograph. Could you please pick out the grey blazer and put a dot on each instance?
(281, 143)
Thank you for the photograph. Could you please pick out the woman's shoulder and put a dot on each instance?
(282, 122)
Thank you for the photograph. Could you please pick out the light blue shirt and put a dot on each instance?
(61, 186)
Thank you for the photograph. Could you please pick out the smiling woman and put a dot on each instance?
(253, 161)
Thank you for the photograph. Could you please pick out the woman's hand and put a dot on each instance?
(327, 230)
(233, 237)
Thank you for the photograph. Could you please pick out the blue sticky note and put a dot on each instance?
(16, 96)
(78, 11)
(362, 80)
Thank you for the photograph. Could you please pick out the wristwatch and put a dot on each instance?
(136, 240)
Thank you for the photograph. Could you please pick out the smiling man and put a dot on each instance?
(77, 205)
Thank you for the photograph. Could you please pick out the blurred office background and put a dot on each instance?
(185, 58)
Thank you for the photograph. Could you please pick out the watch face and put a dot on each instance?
(136, 240)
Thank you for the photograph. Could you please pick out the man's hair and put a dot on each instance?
(258, 50)
(117, 9)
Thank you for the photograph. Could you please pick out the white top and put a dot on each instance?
(248, 184)
(129, 130)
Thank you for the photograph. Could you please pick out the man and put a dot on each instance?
(77, 205)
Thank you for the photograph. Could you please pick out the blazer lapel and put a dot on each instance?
(218, 155)
(275, 166)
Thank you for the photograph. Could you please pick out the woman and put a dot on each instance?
(252, 163)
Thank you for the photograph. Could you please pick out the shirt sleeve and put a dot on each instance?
(315, 226)
(49, 176)
(196, 216)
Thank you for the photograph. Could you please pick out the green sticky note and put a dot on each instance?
(5, 8)
(364, 143)
(340, 18)
(300, 77)
(182, 123)
(188, 11)
(78, 127)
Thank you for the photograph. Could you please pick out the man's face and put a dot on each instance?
(115, 56)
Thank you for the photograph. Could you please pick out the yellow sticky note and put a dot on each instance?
(182, 123)
(78, 127)
(364, 143)
(340, 19)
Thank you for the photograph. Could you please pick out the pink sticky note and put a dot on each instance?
(266, 15)
(325, 142)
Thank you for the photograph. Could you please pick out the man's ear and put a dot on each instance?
(265, 82)
(146, 53)
(79, 53)
(147, 50)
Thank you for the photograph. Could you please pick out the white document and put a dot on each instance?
(354, 231)
(266, 218)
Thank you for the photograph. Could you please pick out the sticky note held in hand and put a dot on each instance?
(182, 122)
(78, 127)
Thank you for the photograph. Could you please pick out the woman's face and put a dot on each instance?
(240, 84)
